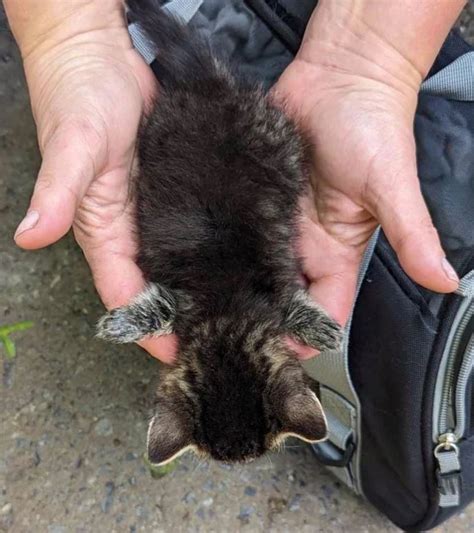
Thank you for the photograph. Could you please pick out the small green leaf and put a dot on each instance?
(9, 347)
(5, 331)
(19, 326)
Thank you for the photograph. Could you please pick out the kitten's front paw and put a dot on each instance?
(117, 327)
(152, 312)
(311, 325)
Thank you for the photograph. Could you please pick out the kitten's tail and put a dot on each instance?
(182, 56)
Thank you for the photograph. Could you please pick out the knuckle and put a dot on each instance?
(44, 183)
(83, 130)
(411, 235)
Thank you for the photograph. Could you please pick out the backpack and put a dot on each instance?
(399, 396)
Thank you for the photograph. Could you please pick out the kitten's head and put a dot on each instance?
(236, 389)
(236, 393)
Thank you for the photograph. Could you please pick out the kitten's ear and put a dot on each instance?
(302, 416)
(152, 312)
(169, 436)
(309, 324)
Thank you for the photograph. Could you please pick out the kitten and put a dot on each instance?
(221, 173)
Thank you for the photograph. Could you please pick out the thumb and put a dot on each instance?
(407, 224)
(68, 167)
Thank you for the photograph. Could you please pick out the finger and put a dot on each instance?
(301, 351)
(331, 268)
(118, 280)
(69, 165)
(336, 293)
(408, 226)
(162, 348)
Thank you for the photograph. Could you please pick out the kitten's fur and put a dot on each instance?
(221, 173)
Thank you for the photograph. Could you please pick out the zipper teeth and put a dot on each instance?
(463, 377)
(449, 375)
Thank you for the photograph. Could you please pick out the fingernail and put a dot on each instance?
(29, 222)
(449, 270)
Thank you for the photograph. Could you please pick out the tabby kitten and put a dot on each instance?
(221, 173)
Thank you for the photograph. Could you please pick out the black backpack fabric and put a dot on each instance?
(400, 397)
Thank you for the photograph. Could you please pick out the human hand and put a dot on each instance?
(358, 112)
(88, 90)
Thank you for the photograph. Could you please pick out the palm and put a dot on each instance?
(103, 224)
(111, 106)
(88, 100)
(364, 173)
(350, 155)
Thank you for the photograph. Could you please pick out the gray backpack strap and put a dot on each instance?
(184, 9)
(339, 399)
(141, 43)
(456, 81)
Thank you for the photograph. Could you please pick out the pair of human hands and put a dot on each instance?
(88, 94)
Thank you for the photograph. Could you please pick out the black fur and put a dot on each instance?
(222, 171)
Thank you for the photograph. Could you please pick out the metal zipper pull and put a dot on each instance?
(449, 470)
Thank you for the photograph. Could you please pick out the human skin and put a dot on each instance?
(353, 86)
(88, 90)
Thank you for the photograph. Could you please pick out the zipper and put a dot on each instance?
(452, 412)
(449, 417)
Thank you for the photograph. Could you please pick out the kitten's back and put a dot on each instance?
(221, 172)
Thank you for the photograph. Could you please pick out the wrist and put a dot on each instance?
(394, 43)
(41, 25)
(338, 43)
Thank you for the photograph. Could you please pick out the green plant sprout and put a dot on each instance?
(6, 331)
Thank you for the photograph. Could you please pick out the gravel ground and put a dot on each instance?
(72, 422)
